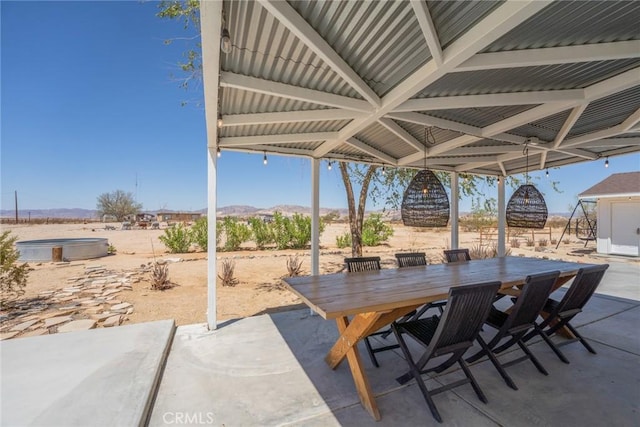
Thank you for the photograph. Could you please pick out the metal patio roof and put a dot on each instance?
(360, 81)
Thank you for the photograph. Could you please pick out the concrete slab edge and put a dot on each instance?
(155, 386)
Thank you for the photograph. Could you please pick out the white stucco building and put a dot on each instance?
(618, 201)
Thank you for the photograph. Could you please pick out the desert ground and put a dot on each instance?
(259, 273)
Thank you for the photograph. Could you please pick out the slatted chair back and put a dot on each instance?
(580, 291)
(358, 264)
(466, 310)
(529, 304)
(411, 259)
(456, 255)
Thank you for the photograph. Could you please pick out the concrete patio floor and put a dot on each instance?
(269, 370)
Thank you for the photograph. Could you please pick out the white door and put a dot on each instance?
(625, 228)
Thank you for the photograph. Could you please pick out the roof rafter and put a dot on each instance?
(401, 133)
(356, 143)
(429, 31)
(283, 90)
(551, 56)
(290, 18)
(288, 117)
(235, 141)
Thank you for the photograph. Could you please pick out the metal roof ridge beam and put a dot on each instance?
(401, 133)
(429, 31)
(356, 143)
(551, 56)
(499, 22)
(289, 117)
(290, 18)
(235, 141)
(283, 90)
(490, 100)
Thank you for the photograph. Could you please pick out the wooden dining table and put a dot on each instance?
(362, 303)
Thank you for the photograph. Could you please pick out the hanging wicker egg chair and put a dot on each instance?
(425, 203)
(527, 208)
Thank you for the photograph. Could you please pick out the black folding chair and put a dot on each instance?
(452, 333)
(516, 324)
(411, 259)
(359, 264)
(457, 255)
(560, 313)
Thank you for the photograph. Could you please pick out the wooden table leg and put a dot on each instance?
(359, 377)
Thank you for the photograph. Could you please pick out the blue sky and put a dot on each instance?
(88, 106)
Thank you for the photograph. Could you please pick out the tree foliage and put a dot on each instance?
(117, 203)
(13, 276)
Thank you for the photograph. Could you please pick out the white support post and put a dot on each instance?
(455, 211)
(502, 216)
(210, 25)
(212, 273)
(315, 220)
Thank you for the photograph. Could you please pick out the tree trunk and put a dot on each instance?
(356, 217)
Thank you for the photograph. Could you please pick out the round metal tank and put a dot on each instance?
(72, 249)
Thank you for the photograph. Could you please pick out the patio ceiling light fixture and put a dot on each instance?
(425, 202)
(526, 207)
(225, 41)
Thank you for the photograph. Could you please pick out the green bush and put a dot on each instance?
(13, 277)
(292, 233)
(177, 239)
(261, 232)
(344, 241)
(236, 233)
(200, 233)
(374, 231)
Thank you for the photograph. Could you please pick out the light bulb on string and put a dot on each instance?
(329, 166)
(606, 163)
(264, 159)
(220, 120)
(547, 173)
(218, 152)
(225, 41)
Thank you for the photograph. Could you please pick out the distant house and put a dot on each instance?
(178, 216)
(618, 210)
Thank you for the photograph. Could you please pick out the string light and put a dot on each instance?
(329, 166)
(384, 170)
(547, 173)
(219, 120)
(218, 152)
(264, 159)
(606, 163)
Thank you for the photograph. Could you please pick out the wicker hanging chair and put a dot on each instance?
(527, 208)
(425, 203)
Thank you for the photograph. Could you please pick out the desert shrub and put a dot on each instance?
(553, 241)
(226, 273)
(13, 276)
(483, 252)
(542, 242)
(531, 242)
(483, 214)
(294, 264)
(160, 276)
(177, 239)
(515, 243)
(236, 233)
(292, 233)
(332, 216)
(111, 250)
(200, 233)
(374, 231)
(566, 241)
(261, 232)
(344, 241)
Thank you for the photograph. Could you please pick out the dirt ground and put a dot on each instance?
(259, 273)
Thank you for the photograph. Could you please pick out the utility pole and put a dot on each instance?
(16, 197)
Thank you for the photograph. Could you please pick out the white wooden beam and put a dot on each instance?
(568, 124)
(268, 87)
(429, 31)
(290, 18)
(288, 117)
(356, 143)
(616, 84)
(236, 141)
(401, 133)
(611, 142)
(499, 22)
(605, 133)
(523, 118)
(551, 56)
(491, 100)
